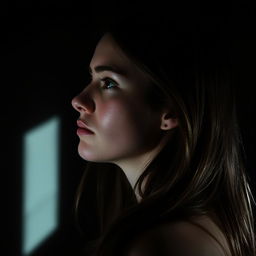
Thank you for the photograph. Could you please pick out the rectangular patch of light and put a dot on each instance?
(40, 184)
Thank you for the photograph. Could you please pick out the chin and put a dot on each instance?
(89, 157)
(86, 157)
(84, 154)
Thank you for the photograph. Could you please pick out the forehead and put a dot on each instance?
(107, 52)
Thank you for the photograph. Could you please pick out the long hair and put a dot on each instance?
(201, 170)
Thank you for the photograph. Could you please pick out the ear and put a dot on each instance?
(168, 121)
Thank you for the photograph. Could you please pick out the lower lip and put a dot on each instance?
(82, 131)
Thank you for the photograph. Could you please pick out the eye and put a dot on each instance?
(109, 83)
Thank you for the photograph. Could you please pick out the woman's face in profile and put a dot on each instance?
(113, 106)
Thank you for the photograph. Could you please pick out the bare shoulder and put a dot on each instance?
(198, 237)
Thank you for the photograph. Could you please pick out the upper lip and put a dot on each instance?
(81, 124)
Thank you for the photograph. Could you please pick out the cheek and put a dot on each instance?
(124, 121)
(117, 117)
(122, 130)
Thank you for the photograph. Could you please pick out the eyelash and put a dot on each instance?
(107, 79)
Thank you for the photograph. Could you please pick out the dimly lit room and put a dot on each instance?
(47, 48)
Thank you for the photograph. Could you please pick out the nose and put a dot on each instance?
(83, 103)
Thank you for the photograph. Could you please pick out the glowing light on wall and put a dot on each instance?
(40, 184)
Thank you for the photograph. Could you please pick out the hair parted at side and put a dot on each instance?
(201, 170)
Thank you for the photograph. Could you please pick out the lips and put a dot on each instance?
(81, 124)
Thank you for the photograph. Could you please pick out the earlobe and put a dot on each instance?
(168, 122)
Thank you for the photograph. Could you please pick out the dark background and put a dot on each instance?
(45, 51)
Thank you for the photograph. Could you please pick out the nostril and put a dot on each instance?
(82, 104)
(79, 108)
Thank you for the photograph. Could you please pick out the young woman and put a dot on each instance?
(161, 137)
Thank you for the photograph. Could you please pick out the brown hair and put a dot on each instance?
(201, 170)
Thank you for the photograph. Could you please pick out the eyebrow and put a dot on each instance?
(103, 68)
